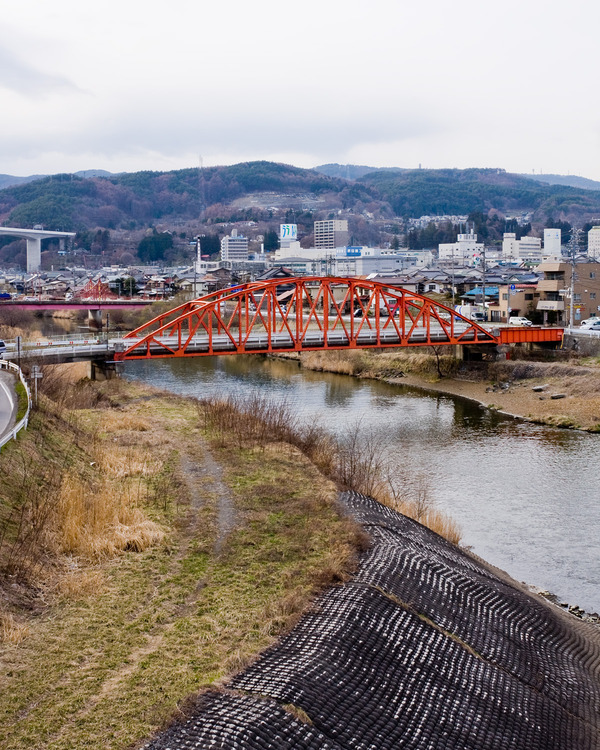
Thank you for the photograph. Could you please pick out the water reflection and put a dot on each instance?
(524, 495)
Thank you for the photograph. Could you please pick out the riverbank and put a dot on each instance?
(554, 393)
(424, 647)
(146, 553)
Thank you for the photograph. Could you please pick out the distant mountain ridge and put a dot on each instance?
(8, 180)
(357, 171)
(583, 183)
(97, 199)
(352, 171)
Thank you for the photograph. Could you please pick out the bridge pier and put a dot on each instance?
(100, 369)
(95, 319)
(34, 254)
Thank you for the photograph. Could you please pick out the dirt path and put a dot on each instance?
(204, 478)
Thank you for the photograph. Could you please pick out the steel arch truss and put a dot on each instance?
(301, 314)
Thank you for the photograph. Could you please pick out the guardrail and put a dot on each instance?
(62, 339)
(582, 332)
(22, 424)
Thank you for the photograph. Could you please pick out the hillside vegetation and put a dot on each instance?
(464, 191)
(72, 203)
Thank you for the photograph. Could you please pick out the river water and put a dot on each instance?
(526, 497)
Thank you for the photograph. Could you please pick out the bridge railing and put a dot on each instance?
(75, 339)
(22, 423)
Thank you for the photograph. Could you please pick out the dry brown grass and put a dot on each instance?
(80, 584)
(100, 524)
(12, 631)
(431, 362)
(428, 516)
(115, 421)
(122, 462)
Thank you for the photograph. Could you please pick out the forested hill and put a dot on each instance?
(463, 191)
(140, 199)
(68, 202)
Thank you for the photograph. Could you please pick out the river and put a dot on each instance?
(525, 496)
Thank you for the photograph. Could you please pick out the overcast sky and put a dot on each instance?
(125, 85)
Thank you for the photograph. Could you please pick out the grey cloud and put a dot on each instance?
(23, 78)
(220, 132)
(142, 131)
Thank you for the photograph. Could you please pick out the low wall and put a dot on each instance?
(582, 343)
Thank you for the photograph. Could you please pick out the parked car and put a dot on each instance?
(2, 348)
(592, 326)
(519, 321)
(479, 317)
(589, 322)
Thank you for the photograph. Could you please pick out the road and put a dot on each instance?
(8, 401)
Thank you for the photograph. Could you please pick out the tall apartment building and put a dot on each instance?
(234, 247)
(331, 233)
(552, 243)
(594, 243)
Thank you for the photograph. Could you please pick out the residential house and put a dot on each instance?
(514, 300)
(555, 291)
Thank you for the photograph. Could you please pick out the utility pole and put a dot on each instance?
(453, 277)
(483, 282)
(573, 245)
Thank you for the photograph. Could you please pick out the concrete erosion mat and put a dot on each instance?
(426, 647)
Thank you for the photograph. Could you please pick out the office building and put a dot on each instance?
(594, 243)
(234, 247)
(552, 243)
(465, 251)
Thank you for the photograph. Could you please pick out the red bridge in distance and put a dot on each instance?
(95, 294)
(313, 313)
(76, 304)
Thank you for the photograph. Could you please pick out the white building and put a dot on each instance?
(465, 251)
(594, 243)
(552, 243)
(288, 241)
(234, 247)
(530, 249)
(525, 250)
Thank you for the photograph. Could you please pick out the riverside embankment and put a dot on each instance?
(178, 542)
(147, 551)
(425, 647)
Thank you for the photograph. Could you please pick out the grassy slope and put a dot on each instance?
(119, 640)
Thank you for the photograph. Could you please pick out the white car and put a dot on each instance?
(592, 326)
(589, 322)
(517, 321)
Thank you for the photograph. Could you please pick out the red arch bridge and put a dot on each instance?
(304, 314)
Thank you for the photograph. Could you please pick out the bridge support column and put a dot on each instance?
(102, 370)
(34, 254)
(95, 319)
